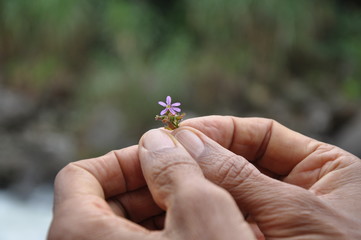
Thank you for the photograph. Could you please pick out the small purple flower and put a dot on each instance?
(172, 108)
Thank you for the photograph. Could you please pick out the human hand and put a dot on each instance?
(108, 197)
(295, 188)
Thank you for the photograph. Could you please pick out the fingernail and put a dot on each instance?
(191, 142)
(156, 139)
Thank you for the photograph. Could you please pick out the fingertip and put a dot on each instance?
(190, 140)
(154, 145)
(156, 140)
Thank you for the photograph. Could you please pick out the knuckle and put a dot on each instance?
(329, 157)
(70, 169)
(300, 203)
(234, 170)
(65, 171)
(199, 194)
(169, 171)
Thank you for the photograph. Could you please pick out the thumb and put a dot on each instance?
(255, 193)
(196, 208)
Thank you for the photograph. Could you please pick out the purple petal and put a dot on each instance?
(172, 111)
(176, 109)
(163, 104)
(169, 100)
(164, 111)
(176, 104)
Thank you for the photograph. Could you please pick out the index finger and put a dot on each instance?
(112, 174)
(264, 142)
(80, 193)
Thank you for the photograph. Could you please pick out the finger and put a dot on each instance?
(276, 207)
(112, 176)
(264, 142)
(91, 218)
(114, 173)
(252, 190)
(137, 205)
(82, 187)
(193, 203)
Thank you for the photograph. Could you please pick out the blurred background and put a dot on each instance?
(80, 78)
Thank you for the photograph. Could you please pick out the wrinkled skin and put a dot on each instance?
(206, 175)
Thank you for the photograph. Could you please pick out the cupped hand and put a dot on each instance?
(117, 196)
(292, 186)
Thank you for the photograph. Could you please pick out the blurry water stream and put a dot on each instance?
(25, 218)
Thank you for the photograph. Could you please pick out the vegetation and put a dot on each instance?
(288, 60)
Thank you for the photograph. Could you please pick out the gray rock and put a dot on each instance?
(104, 129)
(13, 105)
(32, 158)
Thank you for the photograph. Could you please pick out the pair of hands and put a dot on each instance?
(208, 176)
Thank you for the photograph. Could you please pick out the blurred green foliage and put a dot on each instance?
(240, 57)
